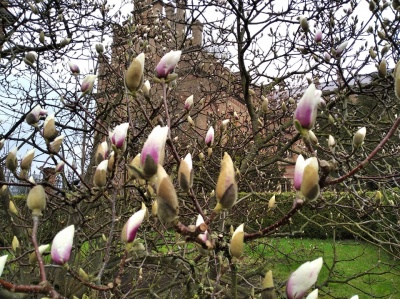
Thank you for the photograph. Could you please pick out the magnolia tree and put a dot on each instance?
(157, 158)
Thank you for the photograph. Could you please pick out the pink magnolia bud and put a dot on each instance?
(60, 167)
(327, 57)
(167, 64)
(3, 260)
(189, 103)
(88, 83)
(153, 151)
(307, 109)
(118, 136)
(340, 49)
(131, 227)
(33, 117)
(303, 278)
(318, 37)
(62, 245)
(74, 68)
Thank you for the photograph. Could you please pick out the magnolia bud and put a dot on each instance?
(382, 69)
(56, 144)
(146, 89)
(12, 208)
(226, 189)
(190, 121)
(99, 48)
(11, 160)
(15, 244)
(237, 242)
(310, 183)
(3, 260)
(372, 53)
(41, 36)
(167, 200)
(268, 289)
(304, 24)
(185, 173)
(224, 124)
(27, 160)
(312, 137)
(272, 203)
(359, 136)
(30, 58)
(100, 176)
(396, 80)
(49, 128)
(33, 257)
(36, 200)
(134, 74)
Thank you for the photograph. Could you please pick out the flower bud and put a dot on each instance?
(12, 207)
(32, 255)
(133, 168)
(268, 288)
(134, 74)
(3, 260)
(359, 136)
(74, 68)
(15, 244)
(312, 137)
(65, 42)
(167, 64)
(33, 117)
(27, 160)
(101, 152)
(382, 69)
(146, 89)
(185, 173)
(118, 136)
(49, 128)
(304, 24)
(237, 242)
(339, 51)
(82, 274)
(30, 58)
(313, 295)
(210, 137)
(153, 151)
(318, 37)
(272, 203)
(264, 105)
(226, 189)
(131, 227)
(60, 167)
(303, 278)
(100, 176)
(310, 180)
(87, 84)
(111, 162)
(190, 121)
(11, 160)
(307, 109)
(167, 200)
(327, 57)
(331, 142)
(224, 124)
(397, 80)
(372, 53)
(99, 48)
(56, 144)
(2, 144)
(188, 103)
(36, 200)
(62, 245)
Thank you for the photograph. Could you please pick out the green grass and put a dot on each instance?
(350, 267)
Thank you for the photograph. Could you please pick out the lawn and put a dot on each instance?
(350, 267)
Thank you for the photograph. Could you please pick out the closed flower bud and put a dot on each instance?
(224, 124)
(167, 64)
(36, 200)
(32, 255)
(307, 109)
(154, 207)
(111, 161)
(27, 160)
(146, 89)
(318, 37)
(62, 245)
(359, 136)
(237, 242)
(303, 278)
(310, 180)
(372, 53)
(65, 42)
(60, 167)
(2, 144)
(327, 57)
(12, 207)
(41, 36)
(190, 121)
(33, 117)
(339, 51)
(118, 136)
(304, 24)
(312, 137)
(167, 200)
(100, 176)
(56, 144)
(185, 173)
(385, 49)
(99, 48)
(210, 137)
(382, 69)
(268, 288)
(3, 260)
(30, 57)
(226, 189)
(188, 103)
(264, 105)
(11, 160)
(200, 222)
(397, 80)
(101, 152)
(201, 156)
(135, 166)
(272, 203)
(153, 151)
(131, 227)
(313, 295)
(82, 274)
(15, 244)
(88, 83)
(74, 68)
(49, 128)
(134, 74)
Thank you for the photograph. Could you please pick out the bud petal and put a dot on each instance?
(33, 117)
(134, 74)
(185, 173)
(237, 242)
(15, 244)
(88, 83)
(168, 63)
(62, 245)
(60, 167)
(3, 260)
(132, 225)
(118, 136)
(11, 160)
(100, 176)
(167, 200)
(146, 89)
(226, 189)
(306, 111)
(36, 200)
(101, 152)
(74, 68)
(359, 136)
(310, 182)
(189, 103)
(49, 128)
(56, 144)
(27, 160)
(313, 295)
(303, 278)
(318, 37)
(33, 257)
(210, 137)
